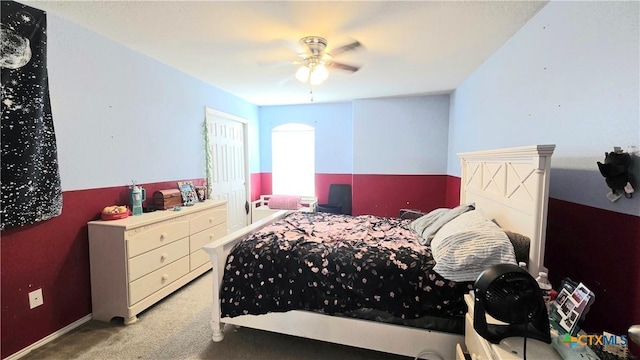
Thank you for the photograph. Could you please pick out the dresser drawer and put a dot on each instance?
(204, 237)
(155, 259)
(139, 242)
(197, 241)
(197, 259)
(208, 218)
(158, 279)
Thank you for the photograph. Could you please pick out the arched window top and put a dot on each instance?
(293, 127)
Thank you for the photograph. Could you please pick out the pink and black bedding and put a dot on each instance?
(338, 264)
(369, 267)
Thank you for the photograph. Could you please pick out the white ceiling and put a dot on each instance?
(244, 47)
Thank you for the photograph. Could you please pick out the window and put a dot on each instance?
(293, 160)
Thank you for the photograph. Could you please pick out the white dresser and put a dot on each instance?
(509, 349)
(137, 261)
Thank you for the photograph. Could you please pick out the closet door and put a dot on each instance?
(227, 165)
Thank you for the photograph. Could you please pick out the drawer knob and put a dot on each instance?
(210, 220)
(164, 257)
(163, 236)
(165, 277)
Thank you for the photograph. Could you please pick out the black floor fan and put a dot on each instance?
(511, 295)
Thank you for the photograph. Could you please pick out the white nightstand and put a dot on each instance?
(508, 349)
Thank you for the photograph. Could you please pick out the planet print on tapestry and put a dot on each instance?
(30, 187)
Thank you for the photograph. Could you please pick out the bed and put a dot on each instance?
(510, 186)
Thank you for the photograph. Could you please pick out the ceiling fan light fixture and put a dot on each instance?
(314, 74)
(319, 75)
(302, 74)
(315, 60)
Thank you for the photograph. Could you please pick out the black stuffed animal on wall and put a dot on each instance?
(615, 171)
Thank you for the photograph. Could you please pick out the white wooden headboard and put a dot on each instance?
(512, 187)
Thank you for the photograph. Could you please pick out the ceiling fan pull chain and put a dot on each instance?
(311, 68)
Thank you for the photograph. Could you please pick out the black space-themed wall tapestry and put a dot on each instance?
(30, 179)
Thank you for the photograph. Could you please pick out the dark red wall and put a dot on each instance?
(601, 249)
(382, 195)
(265, 184)
(256, 185)
(453, 191)
(598, 247)
(53, 255)
(385, 195)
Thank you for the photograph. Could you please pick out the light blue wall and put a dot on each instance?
(334, 133)
(401, 135)
(569, 77)
(117, 111)
(369, 136)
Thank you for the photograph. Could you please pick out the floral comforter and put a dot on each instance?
(334, 264)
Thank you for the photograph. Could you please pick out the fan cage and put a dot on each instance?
(511, 295)
(513, 298)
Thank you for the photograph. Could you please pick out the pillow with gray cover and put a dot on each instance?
(468, 245)
(428, 225)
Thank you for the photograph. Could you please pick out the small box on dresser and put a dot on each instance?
(137, 261)
(167, 199)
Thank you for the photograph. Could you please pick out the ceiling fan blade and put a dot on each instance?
(277, 63)
(349, 47)
(346, 67)
(293, 46)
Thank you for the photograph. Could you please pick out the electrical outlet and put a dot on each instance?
(35, 298)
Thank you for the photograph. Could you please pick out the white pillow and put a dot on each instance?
(469, 244)
(418, 225)
(428, 225)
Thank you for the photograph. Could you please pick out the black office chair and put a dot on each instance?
(339, 200)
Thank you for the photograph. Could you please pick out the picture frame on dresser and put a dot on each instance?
(188, 193)
(201, 191)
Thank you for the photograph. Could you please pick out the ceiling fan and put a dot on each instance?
(315, 60)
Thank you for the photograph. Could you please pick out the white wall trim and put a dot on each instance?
(50, 338)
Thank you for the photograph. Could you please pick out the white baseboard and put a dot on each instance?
(49, 338)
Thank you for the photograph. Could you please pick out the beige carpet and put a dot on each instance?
(178, 328)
